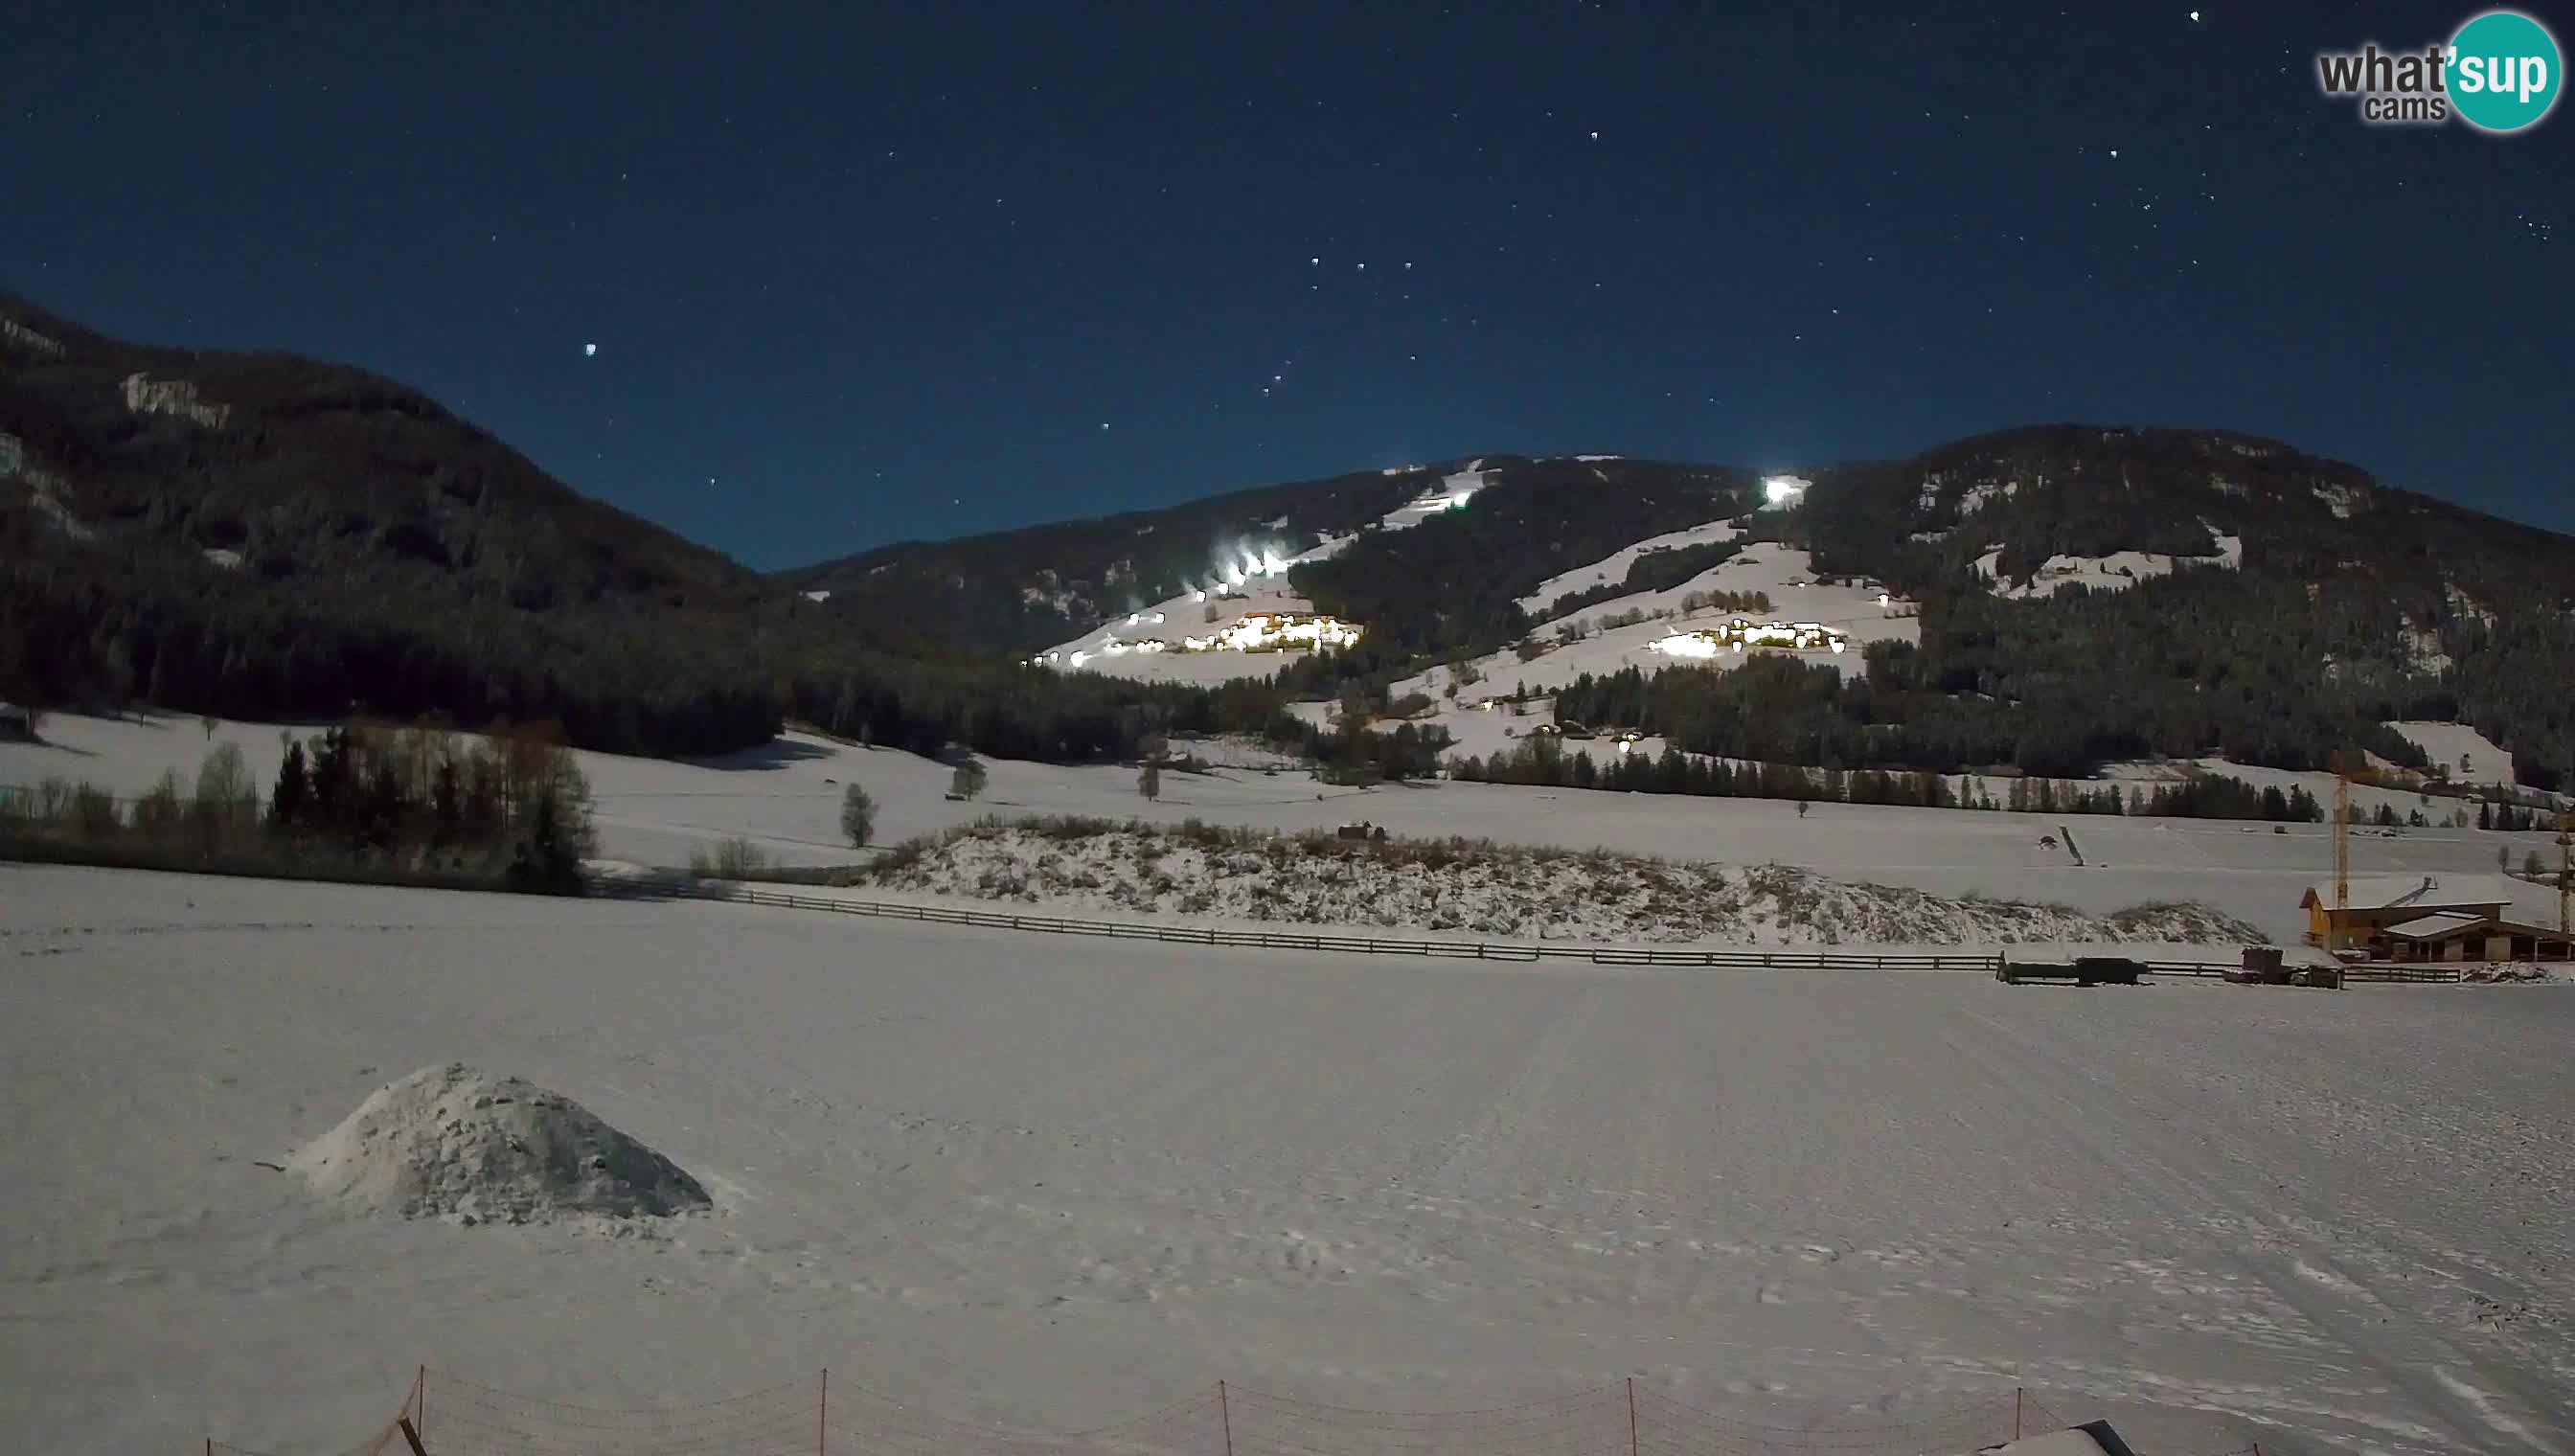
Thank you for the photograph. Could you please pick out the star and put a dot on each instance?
(587, 349)
(2194, 16)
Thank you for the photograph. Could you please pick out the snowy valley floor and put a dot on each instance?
(1051, 1184)
(786, 797)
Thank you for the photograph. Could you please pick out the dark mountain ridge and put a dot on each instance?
(264, 536)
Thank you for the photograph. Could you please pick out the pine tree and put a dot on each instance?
(293, 795)
(445, 801)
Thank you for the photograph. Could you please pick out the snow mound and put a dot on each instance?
(2507, 972)
(452, 1141)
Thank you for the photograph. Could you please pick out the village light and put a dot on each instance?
(1739, 635)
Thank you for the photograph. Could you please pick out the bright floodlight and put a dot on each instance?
(1783, 489)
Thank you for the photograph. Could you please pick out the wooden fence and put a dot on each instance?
(1520, 951)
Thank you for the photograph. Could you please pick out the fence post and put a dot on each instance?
(1225, 1414)
(1632, 1415)
(821, 1410)
(420, 1401)
(2017, 1394)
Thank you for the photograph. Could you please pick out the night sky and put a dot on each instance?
(862, 272)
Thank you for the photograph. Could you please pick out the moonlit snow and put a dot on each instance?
(1049, 1183)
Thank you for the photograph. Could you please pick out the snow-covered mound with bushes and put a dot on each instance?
(1480, 888)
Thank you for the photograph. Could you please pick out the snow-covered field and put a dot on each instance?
(1056, 1184)
(787, 797)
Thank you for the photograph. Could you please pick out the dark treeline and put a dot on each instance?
(1544, 760)
(1039, 714)
(508, 810)
(82, 632)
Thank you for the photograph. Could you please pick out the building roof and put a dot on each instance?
(2413, 892)
(2438, 925)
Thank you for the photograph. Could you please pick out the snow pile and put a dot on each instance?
(453, 1140)
(2515, 972)
(1480, 888)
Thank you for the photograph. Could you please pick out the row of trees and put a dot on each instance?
(510, 807)
(1544, 760)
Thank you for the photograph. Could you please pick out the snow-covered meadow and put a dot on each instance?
(1052, 1184)
(786, 797)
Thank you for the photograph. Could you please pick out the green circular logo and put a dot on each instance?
(2504, 71)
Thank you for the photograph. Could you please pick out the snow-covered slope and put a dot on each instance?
(2114, 572)
(1242, 579)
(2468, 756)
(1613, 566)
(1784, 573)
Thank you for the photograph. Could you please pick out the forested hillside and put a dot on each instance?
(1447, 587)
(2351, 603)
(1017, 590)
(269, 536)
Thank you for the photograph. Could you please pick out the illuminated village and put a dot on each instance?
(1739, 635)
(1258, 631)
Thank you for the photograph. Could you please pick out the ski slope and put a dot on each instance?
(1613, 566)
(1242, 579)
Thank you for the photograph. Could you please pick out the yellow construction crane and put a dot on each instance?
(2565, 867)
(2340, 929)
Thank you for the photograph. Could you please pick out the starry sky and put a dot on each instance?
(800, 279)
